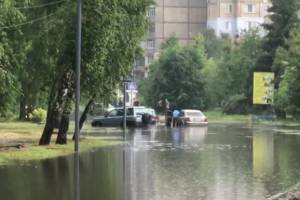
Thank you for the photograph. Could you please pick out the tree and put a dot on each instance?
(213, 44)
(287, 97)
(11, 56)
(284, 17)
(112, 31)
(177, 76)
(41, 53)
(228, 77)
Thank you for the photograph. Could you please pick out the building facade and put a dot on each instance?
(232, 17)
(186, 18)
(183, 18)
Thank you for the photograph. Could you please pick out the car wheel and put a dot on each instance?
(94, 124)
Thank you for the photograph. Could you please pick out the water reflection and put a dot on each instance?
(236, 162)
(263, 154)
(77, 176)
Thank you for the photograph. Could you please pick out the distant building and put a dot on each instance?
(235, 16)
(184, 18)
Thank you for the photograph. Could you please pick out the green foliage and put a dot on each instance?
(231, 74)
(284, 17)
(288, 94)
(38, 115)
(112, 31)
(236, 104)
(34, 56)
(177, 76)
(9, 57)
(213, 44)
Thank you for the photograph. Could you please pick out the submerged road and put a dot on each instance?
(218, 162)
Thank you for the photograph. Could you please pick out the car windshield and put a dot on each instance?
(139, 111)
(149, 111)
(194, 114)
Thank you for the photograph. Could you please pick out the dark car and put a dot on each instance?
(135, 116)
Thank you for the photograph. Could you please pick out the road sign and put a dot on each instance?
(263, 88)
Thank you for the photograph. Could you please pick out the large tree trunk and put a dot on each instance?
(64, 123)
(63, 129)
(56, 106)
(84, 114)
(48, 130)
(52, 116)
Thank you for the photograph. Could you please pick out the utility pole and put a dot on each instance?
(78, 63)
(124, 106)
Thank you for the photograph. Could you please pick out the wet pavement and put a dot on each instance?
(218, 162)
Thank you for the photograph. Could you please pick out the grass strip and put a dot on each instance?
(35, 152)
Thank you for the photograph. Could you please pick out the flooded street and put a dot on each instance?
(219, 162)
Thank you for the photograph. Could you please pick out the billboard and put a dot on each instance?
(263, 88)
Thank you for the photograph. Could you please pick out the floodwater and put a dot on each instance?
(219, 162)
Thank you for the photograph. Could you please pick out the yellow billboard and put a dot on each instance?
(263, 87)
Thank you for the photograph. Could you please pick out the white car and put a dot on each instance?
(193, 117)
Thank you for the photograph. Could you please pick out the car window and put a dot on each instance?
(194, 114)
(120, 112)
(112, 113)
(139, 111)
(129, 111)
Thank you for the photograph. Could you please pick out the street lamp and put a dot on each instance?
(77, 101)
(78, 63)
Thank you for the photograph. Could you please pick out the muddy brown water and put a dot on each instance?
(218, 162)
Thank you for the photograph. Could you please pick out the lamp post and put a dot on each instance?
(78, 62)
(77, 101)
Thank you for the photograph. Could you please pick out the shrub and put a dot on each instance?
(38, 115)
(236, 104)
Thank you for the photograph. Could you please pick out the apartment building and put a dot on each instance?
(235, 16)
(184, 18)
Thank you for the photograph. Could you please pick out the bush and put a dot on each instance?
(38, 115)
(236, 104)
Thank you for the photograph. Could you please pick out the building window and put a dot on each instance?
(230, 8)
(228, 26)
(151, 12)
(150, 44)
(152, 28)
(250, 8)
(250, 25)
(140, 62)
(150, 59)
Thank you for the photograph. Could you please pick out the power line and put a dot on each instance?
(29, 22)
(41, 5)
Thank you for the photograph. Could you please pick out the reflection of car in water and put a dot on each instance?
(189, 135)
(135, 116)
(188, 117)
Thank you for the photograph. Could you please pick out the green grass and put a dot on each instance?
(216, 116)
(28, 133)
(34, 152)
(219, 117)
(20, 126)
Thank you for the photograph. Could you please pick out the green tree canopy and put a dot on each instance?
(284, 17)
(288, 96)
(176, 75)
(10, 56)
